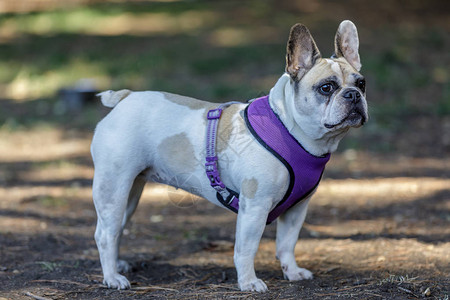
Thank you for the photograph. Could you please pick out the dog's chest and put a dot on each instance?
(305, 170)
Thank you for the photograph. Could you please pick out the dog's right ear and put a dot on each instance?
(301, 52)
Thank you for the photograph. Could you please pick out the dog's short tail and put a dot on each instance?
(111, 98)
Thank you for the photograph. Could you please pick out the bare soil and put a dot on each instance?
(377, 229)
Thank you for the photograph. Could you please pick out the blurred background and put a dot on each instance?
(225, 50)
(387, 187)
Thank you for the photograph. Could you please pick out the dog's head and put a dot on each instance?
(329, 94)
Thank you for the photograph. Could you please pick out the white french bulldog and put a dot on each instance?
(155, 136)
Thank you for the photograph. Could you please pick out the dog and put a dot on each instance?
(155, 136)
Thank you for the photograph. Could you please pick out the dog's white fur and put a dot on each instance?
(156, 136)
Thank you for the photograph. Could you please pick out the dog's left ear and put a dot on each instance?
(301, 53)
(346, 44)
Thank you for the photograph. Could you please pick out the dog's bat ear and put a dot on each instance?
(346, 44)
(301, 52)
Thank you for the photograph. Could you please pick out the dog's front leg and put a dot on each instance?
(288, 229)
(251, 221)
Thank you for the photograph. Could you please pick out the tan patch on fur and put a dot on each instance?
(178, 151)
(249, 188)
(347, 70)
(189, 102)
(227, 123)
(111, 98)
(338, 66)
(122, 94)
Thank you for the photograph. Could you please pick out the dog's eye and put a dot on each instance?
(326, 89)
(361, 84)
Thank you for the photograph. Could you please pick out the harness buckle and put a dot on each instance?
(214, 114)
(213, 173)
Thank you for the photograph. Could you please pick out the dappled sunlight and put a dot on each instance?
(377, 192)
(230, 37)
(48, 5)
(397, 226)
(42, 224)
(243, 36)
(356, 164)
(86, 42)
(17, 225)
(150, 24)
(54, 169)
(52, 199)
(94, 22)
(381, 211)
(40, 143)
(45, 73)
(57, 194)
(380, 254)
(330, 255)
(63, 170)
(350, 193)
(29, 85)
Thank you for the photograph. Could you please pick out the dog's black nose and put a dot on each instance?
(352, 95)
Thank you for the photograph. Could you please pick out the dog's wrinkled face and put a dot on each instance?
(335, 92)
(329, 94)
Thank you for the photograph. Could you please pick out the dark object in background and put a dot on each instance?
(75, 98)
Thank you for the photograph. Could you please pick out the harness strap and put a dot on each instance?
(305, 170)
(224, 195)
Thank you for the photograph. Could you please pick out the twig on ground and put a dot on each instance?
(373, 294)
(342, 290)
(36, 296)
(220, 294)
(352, 287)
(63, 282)
(94, 277)
(328, 294)
(407, 291)
(152, 288)
(224, 287)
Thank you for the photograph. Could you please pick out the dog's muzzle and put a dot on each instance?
(356, 115)
(352, 95)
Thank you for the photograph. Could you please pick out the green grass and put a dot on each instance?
(211, 50)
(49, 266)
(49, 50)
(52, 202)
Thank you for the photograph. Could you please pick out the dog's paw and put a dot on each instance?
(117, 281)
(296, 273)
(256, 285)
(123, 266)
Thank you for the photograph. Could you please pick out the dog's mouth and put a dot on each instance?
(355, 118)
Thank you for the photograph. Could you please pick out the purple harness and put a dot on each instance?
(305, 169)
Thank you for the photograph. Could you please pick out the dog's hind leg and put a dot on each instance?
(111, 192)
(133, 200)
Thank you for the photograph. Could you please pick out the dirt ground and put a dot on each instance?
(378, 228)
